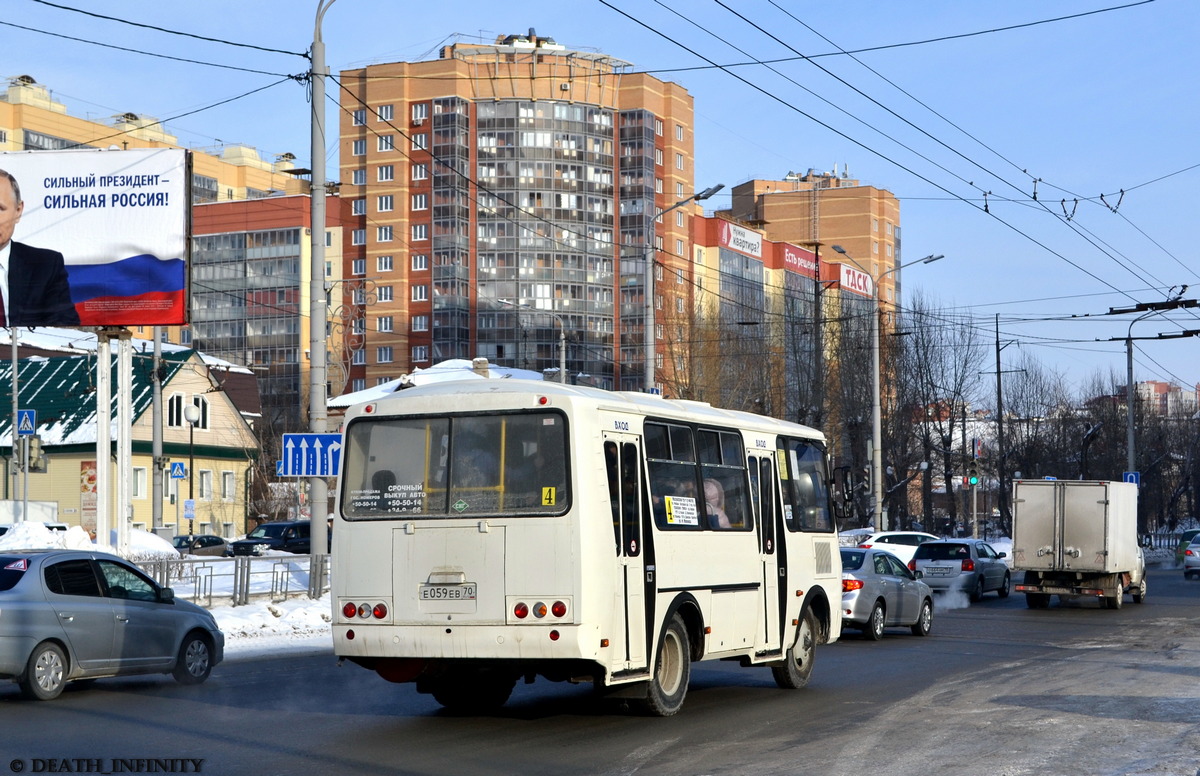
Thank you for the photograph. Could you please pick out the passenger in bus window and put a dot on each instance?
(714, 498)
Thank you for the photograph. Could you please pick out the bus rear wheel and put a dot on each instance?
(473, 692)
(798, 662)
(672, 671)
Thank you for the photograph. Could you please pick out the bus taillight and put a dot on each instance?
(380, 611)
(349, 610)
(559, 609)
(521, 611)
(539, 610)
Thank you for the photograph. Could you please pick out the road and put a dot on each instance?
(998, 689)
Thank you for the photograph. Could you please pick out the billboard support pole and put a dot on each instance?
(124, 456)
(156, 443)
(12, 333)
(103, 438)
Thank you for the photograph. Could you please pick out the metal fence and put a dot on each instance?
(239, 579)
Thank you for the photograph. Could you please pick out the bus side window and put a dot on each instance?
(630, 518)
(612, 467)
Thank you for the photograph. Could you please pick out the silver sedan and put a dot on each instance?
(878, 591)
(74, 614)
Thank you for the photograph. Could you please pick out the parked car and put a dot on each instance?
(902, 544)
(879, 591)
(203, 544)
(1185, 539)
(74, 614)
(284, 535)
(967, 565)
(1191, 559)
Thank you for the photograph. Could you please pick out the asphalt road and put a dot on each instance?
(997, 689)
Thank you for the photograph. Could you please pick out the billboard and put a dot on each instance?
(100, 237)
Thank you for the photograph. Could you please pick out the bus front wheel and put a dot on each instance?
(798, 662)
(672, 671)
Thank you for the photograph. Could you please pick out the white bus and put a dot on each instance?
(489, 530)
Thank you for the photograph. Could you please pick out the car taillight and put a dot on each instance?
(968, 565)
(1188, 552)
(851, 584)
(864, 546)
(912, 565)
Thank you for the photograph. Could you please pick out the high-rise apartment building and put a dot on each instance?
(505, 193)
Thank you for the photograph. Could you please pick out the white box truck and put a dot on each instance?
(1076, 538)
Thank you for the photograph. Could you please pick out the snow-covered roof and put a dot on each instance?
(79, 341)
(451, 369)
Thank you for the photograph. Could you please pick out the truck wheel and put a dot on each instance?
(1037, 600)
(1139, 595)
(1114, 602)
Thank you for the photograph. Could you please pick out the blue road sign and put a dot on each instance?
(26, 422)
(1134, 477)
(178, 470)
(279, 468)
(311, 455)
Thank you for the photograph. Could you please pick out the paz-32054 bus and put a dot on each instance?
(489, 530)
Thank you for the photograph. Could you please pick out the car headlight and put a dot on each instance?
(259, 549)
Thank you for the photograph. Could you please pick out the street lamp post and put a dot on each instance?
(876, 394)
(562, 335)
(651, 384)
(191, 413)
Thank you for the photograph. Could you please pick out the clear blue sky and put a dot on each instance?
(1086, 106)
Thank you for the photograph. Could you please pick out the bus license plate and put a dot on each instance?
(464, 592)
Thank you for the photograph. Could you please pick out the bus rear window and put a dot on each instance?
(455, 466)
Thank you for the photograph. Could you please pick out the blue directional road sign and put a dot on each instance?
(1134, 477)
(178, 470)
(26, 422)
(312, 455)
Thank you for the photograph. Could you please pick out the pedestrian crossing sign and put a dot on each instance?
(26, 422)
(178, 470)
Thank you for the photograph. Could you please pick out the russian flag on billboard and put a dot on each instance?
(152, 287)
(116, 221)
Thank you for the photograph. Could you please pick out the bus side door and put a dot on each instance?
(623, 459)
(762, 478)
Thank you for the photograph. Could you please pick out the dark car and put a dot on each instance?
(966, 565)
(70, 615)
(281, 536)
(202, 544)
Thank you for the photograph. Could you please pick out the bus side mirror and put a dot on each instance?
(843, 489)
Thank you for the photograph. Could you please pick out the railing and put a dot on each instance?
(204, 581)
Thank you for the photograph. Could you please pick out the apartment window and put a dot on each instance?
(679, 304)
(874, 224)
(386, 172)
(679, 190)
(358, 207)
(420, 354)
(328, 239)
(139, 482)
(359, 326)
(385, 112)
(874, 246)
(360, 296)
(658, 156)
(420, 231)
(679, 132)
(384, 203)
(420, 262)
(383, 264)
(658, 186)
(679, 273)
(658, 127)
(358, 237)
(359, 117)
(420, 141)
(679, 218)
(358, 384)
(420, 293)
(385, 143)
(658, 331)
(359, 358)
(228, 486)
(420, 323)
(384, 293)
(206, 484)
(383, 355)
(678, 161)
(383, 233)
(383, 323)
(358, 267)
(358, 148)
(382, 380)
(420, 111)
(358, 177)
(420, 172)
(679, 250)
(420, 201)
(658, 272)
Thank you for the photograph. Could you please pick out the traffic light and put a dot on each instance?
(973, 475)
